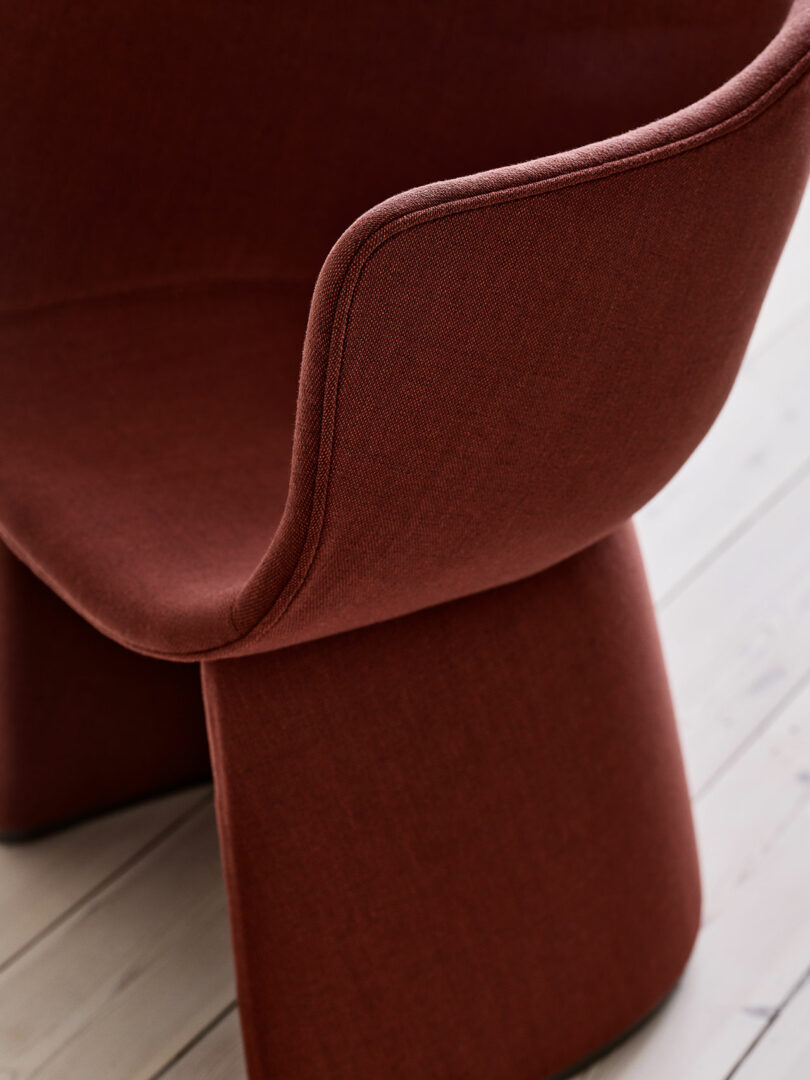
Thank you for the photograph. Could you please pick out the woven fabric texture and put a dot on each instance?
(217, 436)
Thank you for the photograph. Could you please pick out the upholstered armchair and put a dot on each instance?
(304, 380)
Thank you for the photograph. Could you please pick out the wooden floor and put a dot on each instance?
(114, 952)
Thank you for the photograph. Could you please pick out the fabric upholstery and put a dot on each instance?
(457, 844)
(156, 142)
(84, 724)
(474, 347)
(337, 347)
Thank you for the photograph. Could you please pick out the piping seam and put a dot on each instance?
(494, 199)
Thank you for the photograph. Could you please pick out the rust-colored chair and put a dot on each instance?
(454, 822)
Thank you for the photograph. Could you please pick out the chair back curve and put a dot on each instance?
(502, 368)
(159, 142)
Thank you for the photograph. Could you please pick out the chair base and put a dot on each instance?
(458, 843)
(85, 725)
(625, 1036)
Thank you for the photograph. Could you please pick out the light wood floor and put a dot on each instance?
(114, 952)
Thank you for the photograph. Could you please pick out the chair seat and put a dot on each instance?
(161, 511)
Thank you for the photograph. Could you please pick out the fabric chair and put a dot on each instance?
(379, 481)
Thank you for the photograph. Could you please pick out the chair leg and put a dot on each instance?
(458, 844)
(85, 725)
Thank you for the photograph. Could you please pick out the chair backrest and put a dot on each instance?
(501, 369)
(154, 142)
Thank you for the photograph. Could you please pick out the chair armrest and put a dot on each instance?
(501, 369)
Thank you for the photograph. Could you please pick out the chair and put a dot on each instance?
(374, 470)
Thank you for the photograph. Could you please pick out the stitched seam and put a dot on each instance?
(399, 226)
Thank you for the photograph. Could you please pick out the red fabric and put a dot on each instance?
(457, 844)
(84, 724)
(474, 349)
(157, 142)
(396, 461)
(169, 421)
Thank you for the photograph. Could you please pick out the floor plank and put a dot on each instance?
(217, 1056)
(126, 982)
(737, 641)
(759, 446)
(754, 946)
(741, 818)
(41, 881)
(784, 1051)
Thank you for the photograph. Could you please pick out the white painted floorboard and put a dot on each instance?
(114, 952)
(783, 1053)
